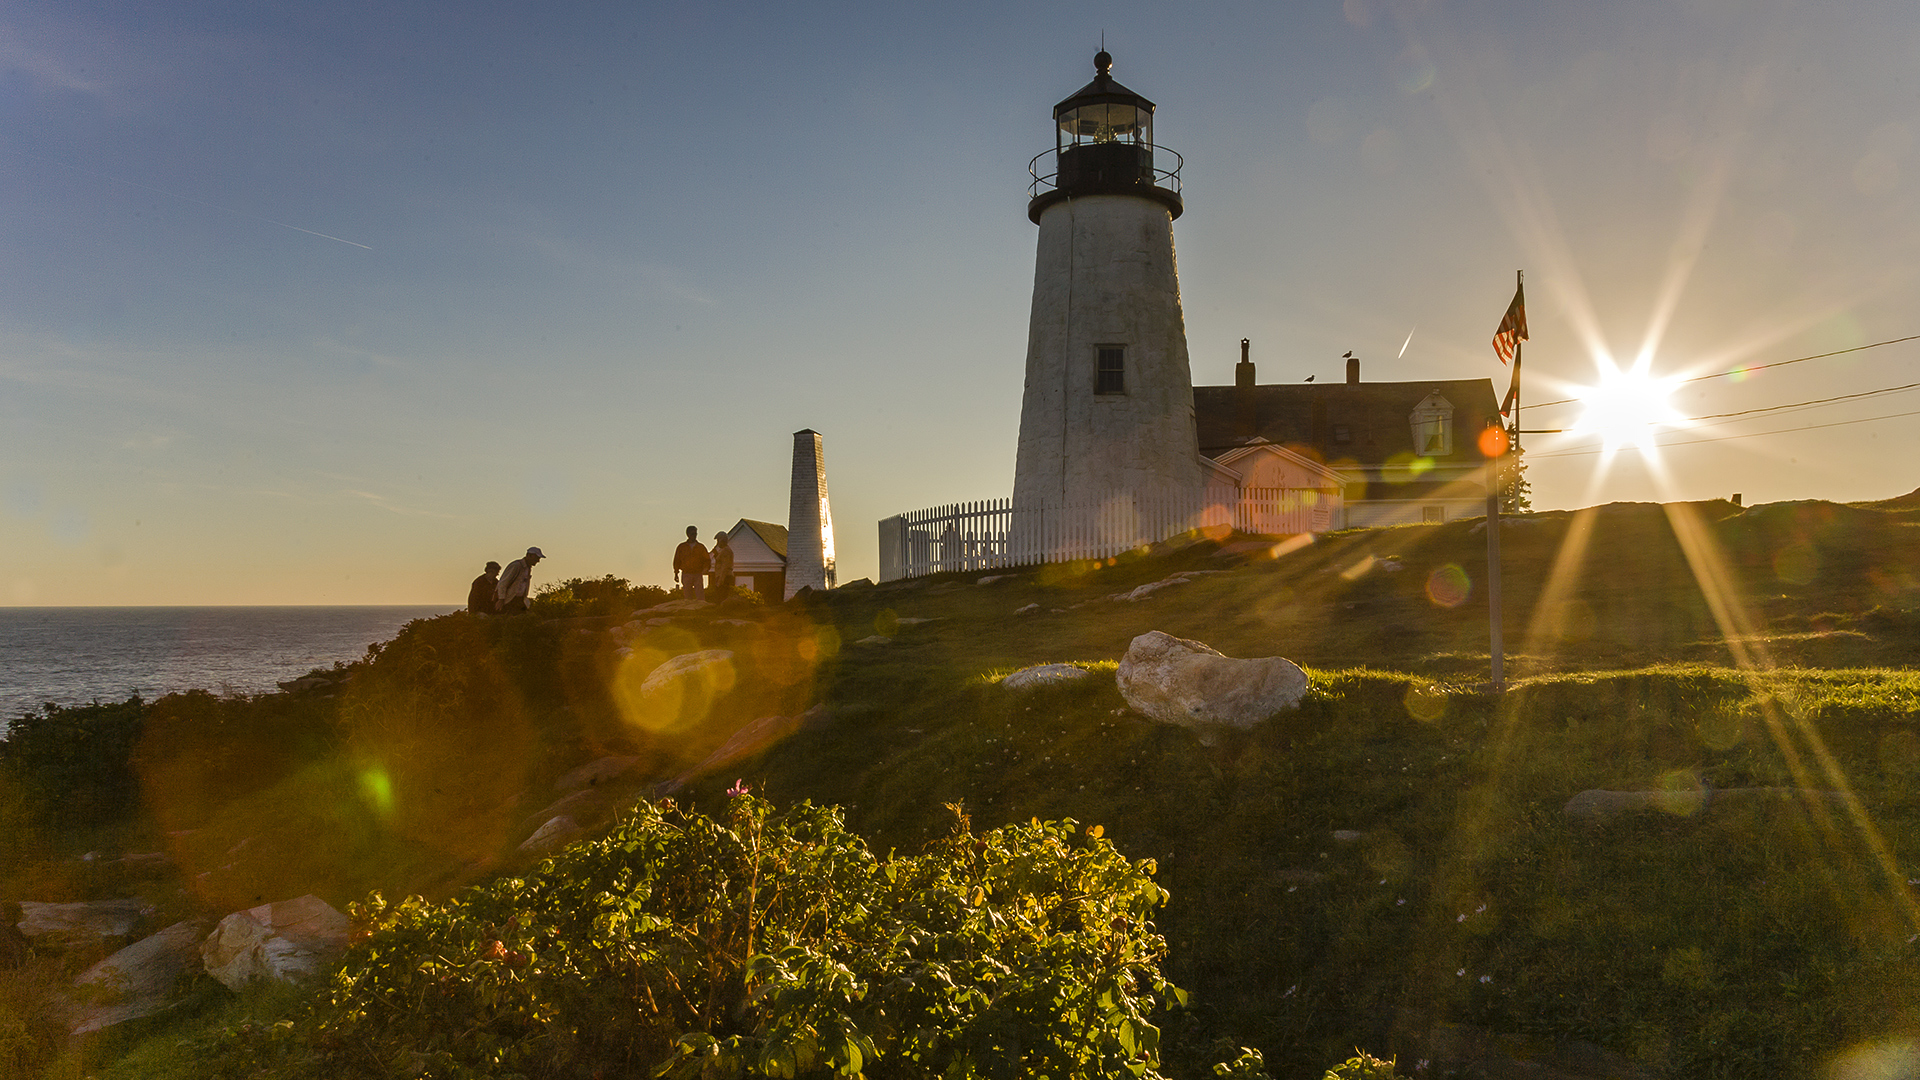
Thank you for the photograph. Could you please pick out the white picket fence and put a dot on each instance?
(995, 533)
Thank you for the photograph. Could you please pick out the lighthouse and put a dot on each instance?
(1106, 421)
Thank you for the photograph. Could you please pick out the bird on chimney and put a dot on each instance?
(1309, 378)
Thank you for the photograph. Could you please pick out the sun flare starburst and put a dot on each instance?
(1627, 408)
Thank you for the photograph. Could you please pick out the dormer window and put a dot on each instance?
(1111, 375)
(1432, 422)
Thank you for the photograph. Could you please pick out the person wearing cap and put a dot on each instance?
(512, 590)
(480, 598)
(690, 562)
(722, 566)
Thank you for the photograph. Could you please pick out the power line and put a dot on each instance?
(1588, 451)
(1763, 367)
(1803, 404)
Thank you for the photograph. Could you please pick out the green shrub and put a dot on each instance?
(76, 760)
(773, 943)
(609, 595)
(1361, 1066)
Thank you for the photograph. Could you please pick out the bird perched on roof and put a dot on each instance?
(1309, 378)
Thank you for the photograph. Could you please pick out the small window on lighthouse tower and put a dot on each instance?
(1112, 376)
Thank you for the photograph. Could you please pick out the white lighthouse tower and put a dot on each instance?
(1107, 417)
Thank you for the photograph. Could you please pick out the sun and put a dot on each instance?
(1627, 408)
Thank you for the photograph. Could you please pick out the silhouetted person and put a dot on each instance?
(722, 566)
(480, 598)
(690, 561)
(512, 590)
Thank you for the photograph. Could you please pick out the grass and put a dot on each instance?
(1384, 866)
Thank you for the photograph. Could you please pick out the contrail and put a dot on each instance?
(191, 199)
(1404, 344)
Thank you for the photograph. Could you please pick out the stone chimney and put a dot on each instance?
(809, 520)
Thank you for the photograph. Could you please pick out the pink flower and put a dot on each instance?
(739, 788)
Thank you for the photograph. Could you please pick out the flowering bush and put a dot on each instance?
(773, 943)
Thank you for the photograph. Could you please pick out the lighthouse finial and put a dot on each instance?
(1103, 60)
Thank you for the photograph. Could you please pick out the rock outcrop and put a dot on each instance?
(1183, 682)
(557, 831)
(288, 941)
(138, 980)
(595, 772)
(707, 662)
(1044, 675)
(78, 925)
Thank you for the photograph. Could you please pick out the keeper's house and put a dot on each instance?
(1401, 452)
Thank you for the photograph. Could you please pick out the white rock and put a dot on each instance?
(682, 666)
(1028, 610)
(288, 941)
(556, 830)
(138, 980)
(1044, 675)
(1177, 681)
(1152, 587)
(78, 925)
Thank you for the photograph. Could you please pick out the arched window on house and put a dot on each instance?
(1432, 422)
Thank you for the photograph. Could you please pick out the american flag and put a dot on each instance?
(1513, 328)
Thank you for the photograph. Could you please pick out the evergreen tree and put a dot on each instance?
(1516, 495)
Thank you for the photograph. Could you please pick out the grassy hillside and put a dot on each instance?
(1388, 867)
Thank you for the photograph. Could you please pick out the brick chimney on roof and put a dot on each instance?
(1353, 370)
(1245, 424)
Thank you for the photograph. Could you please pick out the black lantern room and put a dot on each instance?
(1103, 145)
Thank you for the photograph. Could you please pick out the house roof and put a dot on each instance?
(1377, 416)
(1232, 459)
(774, 536)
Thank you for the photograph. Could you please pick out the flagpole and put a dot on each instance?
(1519, 284)
(1496, 481)
(1495, 646)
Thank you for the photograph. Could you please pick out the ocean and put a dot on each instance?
(74, 655)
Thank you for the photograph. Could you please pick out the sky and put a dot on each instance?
(330, 303)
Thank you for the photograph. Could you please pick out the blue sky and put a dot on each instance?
(331, 303)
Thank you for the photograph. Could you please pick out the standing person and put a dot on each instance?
(690, 561)
(512, 590)
(722, 566)
(480, 595)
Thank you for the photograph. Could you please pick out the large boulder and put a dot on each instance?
(1183, 682)
(138, 980)
(287, 941)
(78, 925)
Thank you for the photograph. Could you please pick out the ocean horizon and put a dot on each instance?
(76, 655)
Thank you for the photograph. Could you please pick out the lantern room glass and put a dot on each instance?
(1104, 122)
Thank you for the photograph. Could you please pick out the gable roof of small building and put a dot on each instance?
(1377, 416)
(1235, 460)
(774, 536)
